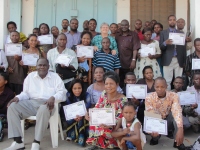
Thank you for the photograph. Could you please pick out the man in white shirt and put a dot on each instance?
(41, 89)
(61, 48)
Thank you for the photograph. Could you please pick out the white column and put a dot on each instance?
(181, 11)
(27, 16)
(123, 10)
(5, 16)
(194, 17)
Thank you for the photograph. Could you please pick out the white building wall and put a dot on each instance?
(5, 17)
(27, 16)
(181, 11)
(123, 10)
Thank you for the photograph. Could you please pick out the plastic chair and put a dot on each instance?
(54, 123)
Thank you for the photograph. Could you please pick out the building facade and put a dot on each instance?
(30, 13)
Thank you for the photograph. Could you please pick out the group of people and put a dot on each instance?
(118, 60)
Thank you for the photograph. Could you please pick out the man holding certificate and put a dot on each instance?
(41, 89)
(193, 61)
(67, 59)
(192, 111)
(173, 55)
(166, 104)
(16, 72)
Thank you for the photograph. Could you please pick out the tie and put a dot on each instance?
(175, 52)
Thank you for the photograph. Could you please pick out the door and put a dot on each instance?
(53, 12)
(147, 10)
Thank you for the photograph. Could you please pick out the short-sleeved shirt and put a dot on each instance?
(96, 41)
(188, 67)
(140, 35)
(74, 39)
(126, 45)
(108, 61)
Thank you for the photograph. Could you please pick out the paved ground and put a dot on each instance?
(164, 143)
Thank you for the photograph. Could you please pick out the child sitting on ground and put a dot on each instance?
(129, 130)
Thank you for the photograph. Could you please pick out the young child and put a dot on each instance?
(129, 130)
(16, 72)
(105, 58)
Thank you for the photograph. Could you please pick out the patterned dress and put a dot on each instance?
(78, 131)
(101, 137)
(146, 61)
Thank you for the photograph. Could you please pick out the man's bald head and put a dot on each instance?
(161, 79)
(125, 25)
(180, 23)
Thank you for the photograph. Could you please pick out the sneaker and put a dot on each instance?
(182, 147)
(153, 142)
(16, 146)
(35, 146)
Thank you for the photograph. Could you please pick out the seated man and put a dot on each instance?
(194, 117)
(105, 59)
(166, 104)
(41, 90)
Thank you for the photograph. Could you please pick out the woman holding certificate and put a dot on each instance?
(148, 54)
(100, 136)
(77, 128)
(31, 55)
(46, 40)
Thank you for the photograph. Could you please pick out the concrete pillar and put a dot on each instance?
(194, 17)
(5, 17)
(123, 10)
(181, 11)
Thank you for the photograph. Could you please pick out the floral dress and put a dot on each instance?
(101, 137)
(146, 61)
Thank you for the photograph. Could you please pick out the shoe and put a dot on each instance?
(153, 142)
(16, 146)
(182, 147)
(35, 146)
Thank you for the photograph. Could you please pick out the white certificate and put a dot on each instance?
(45, 39)
(187, 97)
(13, 49)
(144, 52)
(100, 116)
(87, 51)
(139, 91)
(75, 109)
(30, 59)
(195, 64)
(64, 59)
(177, 38)
(155, 125)
(8, 40)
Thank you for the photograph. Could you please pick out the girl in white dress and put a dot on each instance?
(128, 130)
(147, 55)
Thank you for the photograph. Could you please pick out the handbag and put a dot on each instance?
(65, 73)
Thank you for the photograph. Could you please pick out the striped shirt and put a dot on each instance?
(188, 67)
(108, 61)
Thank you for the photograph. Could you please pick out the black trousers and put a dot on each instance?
(16, 88)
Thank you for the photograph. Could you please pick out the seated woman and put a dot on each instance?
(100, 136)
(6, 94)
(129, 130)
(149, 81)
(150, 60)
(98, 86)
(77, 129)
